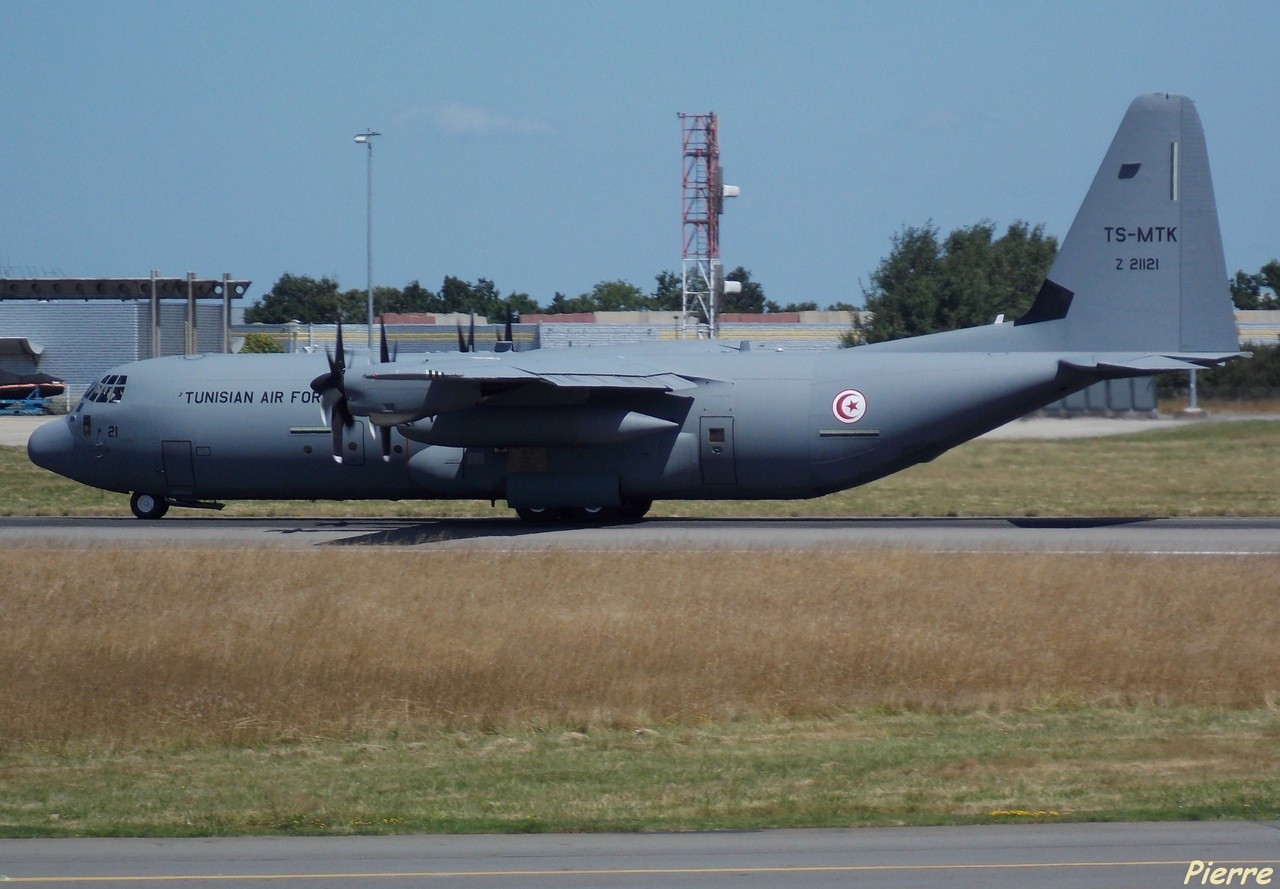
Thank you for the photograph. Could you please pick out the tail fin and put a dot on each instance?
(1142, 269)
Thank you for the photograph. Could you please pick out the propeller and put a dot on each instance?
(331, 387)
(505, 341)
(384, 432)
(468, 343)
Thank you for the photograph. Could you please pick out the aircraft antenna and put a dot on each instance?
(703, 193)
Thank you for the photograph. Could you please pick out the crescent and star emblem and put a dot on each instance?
(849, 406)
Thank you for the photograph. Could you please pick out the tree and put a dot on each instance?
(260, 344)
(668, 296)
(488, 301)
(301, 298)
(456, 295)
(414, 298)
(1247, 290)
(806, 306)
(563, 305)
(751, 300)
(924, 286)
(605, 296)
(522, 304)
(618, 296)
(1271, 278)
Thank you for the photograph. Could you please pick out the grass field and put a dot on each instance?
(875, 767)
(230, 691)
(1203, 469)
(167, 692)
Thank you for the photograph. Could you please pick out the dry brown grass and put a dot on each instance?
(231, 646)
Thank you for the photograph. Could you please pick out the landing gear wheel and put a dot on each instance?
(539, 515)
(634, 510)
(148, 506)
(590, 515)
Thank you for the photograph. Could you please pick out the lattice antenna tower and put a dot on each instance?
(703, 192)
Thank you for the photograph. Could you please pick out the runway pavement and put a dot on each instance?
(1175, 536)
(14, 431)
(997, 856)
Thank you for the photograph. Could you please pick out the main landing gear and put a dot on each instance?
(630, 511)
(148, 506)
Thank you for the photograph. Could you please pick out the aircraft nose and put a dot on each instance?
(50, 446)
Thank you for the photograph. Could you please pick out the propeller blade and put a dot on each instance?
(471, 334)
(329, 398)
(383, 352)
(332, 389)
(342, 414)
(509, 337)
(340, 419)
(338, 440)
(462, 342)
(384, 433)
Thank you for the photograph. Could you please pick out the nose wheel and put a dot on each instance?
(148, 506)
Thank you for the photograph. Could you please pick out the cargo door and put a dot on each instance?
(715, 449)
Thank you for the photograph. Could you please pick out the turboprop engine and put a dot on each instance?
(524, 427)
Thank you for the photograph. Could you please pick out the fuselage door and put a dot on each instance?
(179, 470)
(715, 449)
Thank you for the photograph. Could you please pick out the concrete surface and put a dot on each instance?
(1137, 856)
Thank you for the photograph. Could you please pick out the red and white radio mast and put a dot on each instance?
(704, 191)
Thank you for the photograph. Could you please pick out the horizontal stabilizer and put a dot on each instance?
(1150, 365)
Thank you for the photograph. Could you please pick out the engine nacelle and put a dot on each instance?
(523, 427)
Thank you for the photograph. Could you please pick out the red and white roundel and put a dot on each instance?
(849, 406)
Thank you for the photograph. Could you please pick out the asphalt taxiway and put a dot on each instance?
(1165, 536)
(997, 856)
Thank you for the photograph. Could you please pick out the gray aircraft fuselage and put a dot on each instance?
(767, 426)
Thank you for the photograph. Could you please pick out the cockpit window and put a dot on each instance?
(108, 390)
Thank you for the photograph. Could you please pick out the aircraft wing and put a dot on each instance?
(402, 392)
(503, 376)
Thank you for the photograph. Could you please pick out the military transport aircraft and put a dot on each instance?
(580, 434)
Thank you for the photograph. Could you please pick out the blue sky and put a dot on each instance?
(537, 144)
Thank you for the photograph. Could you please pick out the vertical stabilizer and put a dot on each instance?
(1142, 267)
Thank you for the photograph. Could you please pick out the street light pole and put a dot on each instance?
(366, 138)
